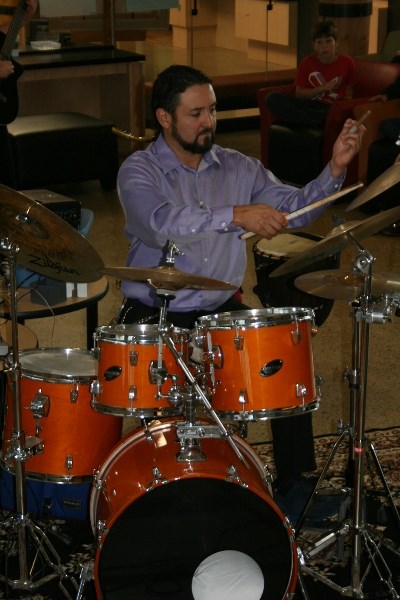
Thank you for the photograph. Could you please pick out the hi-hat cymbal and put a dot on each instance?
(47, 243)
(382, 183)
(338, 284)
(339, 238)
(169, 278)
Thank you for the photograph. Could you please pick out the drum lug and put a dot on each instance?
(157, 479)
(96, 388)
(301, 391)
(132, 393)
(101, 531)
(133, 358)
(238, 342)
(69, 463)
(73, 395)
(40, 408)
(243, 397)
(296, 335)
(233, 476)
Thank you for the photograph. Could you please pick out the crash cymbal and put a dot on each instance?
(47, 243)
(338, 284)
(168, 278)
(339, 238)
(382, 183)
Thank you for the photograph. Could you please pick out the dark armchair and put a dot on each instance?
(296, 153)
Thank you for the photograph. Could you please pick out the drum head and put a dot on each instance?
(154, 547)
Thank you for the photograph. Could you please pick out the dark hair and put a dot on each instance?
(170, 84)
(325, 29)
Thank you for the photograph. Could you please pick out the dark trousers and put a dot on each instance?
(293, 441)
(309, 113)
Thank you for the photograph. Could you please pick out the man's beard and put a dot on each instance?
(195, 147)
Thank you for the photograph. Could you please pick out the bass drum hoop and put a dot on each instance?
(181, 521)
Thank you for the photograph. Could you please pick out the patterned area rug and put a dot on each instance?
(328, 573)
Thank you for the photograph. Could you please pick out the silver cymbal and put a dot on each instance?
(47, 243)
(169, 278)
(382, 183)
(339, 284)
(339, 238)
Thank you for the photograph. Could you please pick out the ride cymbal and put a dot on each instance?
(339, 284)
(168, 277)
(339, 238)
(382, 183)
(48, 245)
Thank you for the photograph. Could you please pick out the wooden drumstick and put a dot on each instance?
(310, 207)
(364, 117)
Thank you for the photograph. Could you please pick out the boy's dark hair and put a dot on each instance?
(325, 29)
(170, 84)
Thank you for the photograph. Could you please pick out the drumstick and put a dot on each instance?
(310, 207)
(364, 117)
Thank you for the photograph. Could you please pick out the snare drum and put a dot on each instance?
(128, 384)
(157, 517)
(281, 291)
(67, 438)
(260, 362)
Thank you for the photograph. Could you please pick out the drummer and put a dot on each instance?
(185, 188)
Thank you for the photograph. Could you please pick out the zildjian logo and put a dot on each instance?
(47, 263)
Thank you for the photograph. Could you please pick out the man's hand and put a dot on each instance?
(261, 219)
(6, 69)
(346, 147)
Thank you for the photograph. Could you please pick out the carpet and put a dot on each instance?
(73, 540)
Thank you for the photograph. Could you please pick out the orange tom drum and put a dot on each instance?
(157, 516)
(128, 384)
(67, 437)
(260, 362)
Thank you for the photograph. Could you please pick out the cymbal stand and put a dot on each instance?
(19, 452)
(360, 533)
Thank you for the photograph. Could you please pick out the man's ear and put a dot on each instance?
(163, 117)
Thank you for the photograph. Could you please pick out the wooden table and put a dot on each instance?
(100, 81)
(26, 309)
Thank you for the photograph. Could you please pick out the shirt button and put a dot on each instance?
(193, 231)
(206, 259)
(223, 224)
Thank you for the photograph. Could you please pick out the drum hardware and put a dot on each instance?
(383, 182)
(339, 238)
(21, 522)
(362, 535)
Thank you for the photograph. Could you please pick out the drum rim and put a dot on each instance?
(258, 317)
(34, 373)
(148, 333)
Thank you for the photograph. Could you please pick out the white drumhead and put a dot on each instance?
(59, 363)
(284, 244)
(228, 575)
